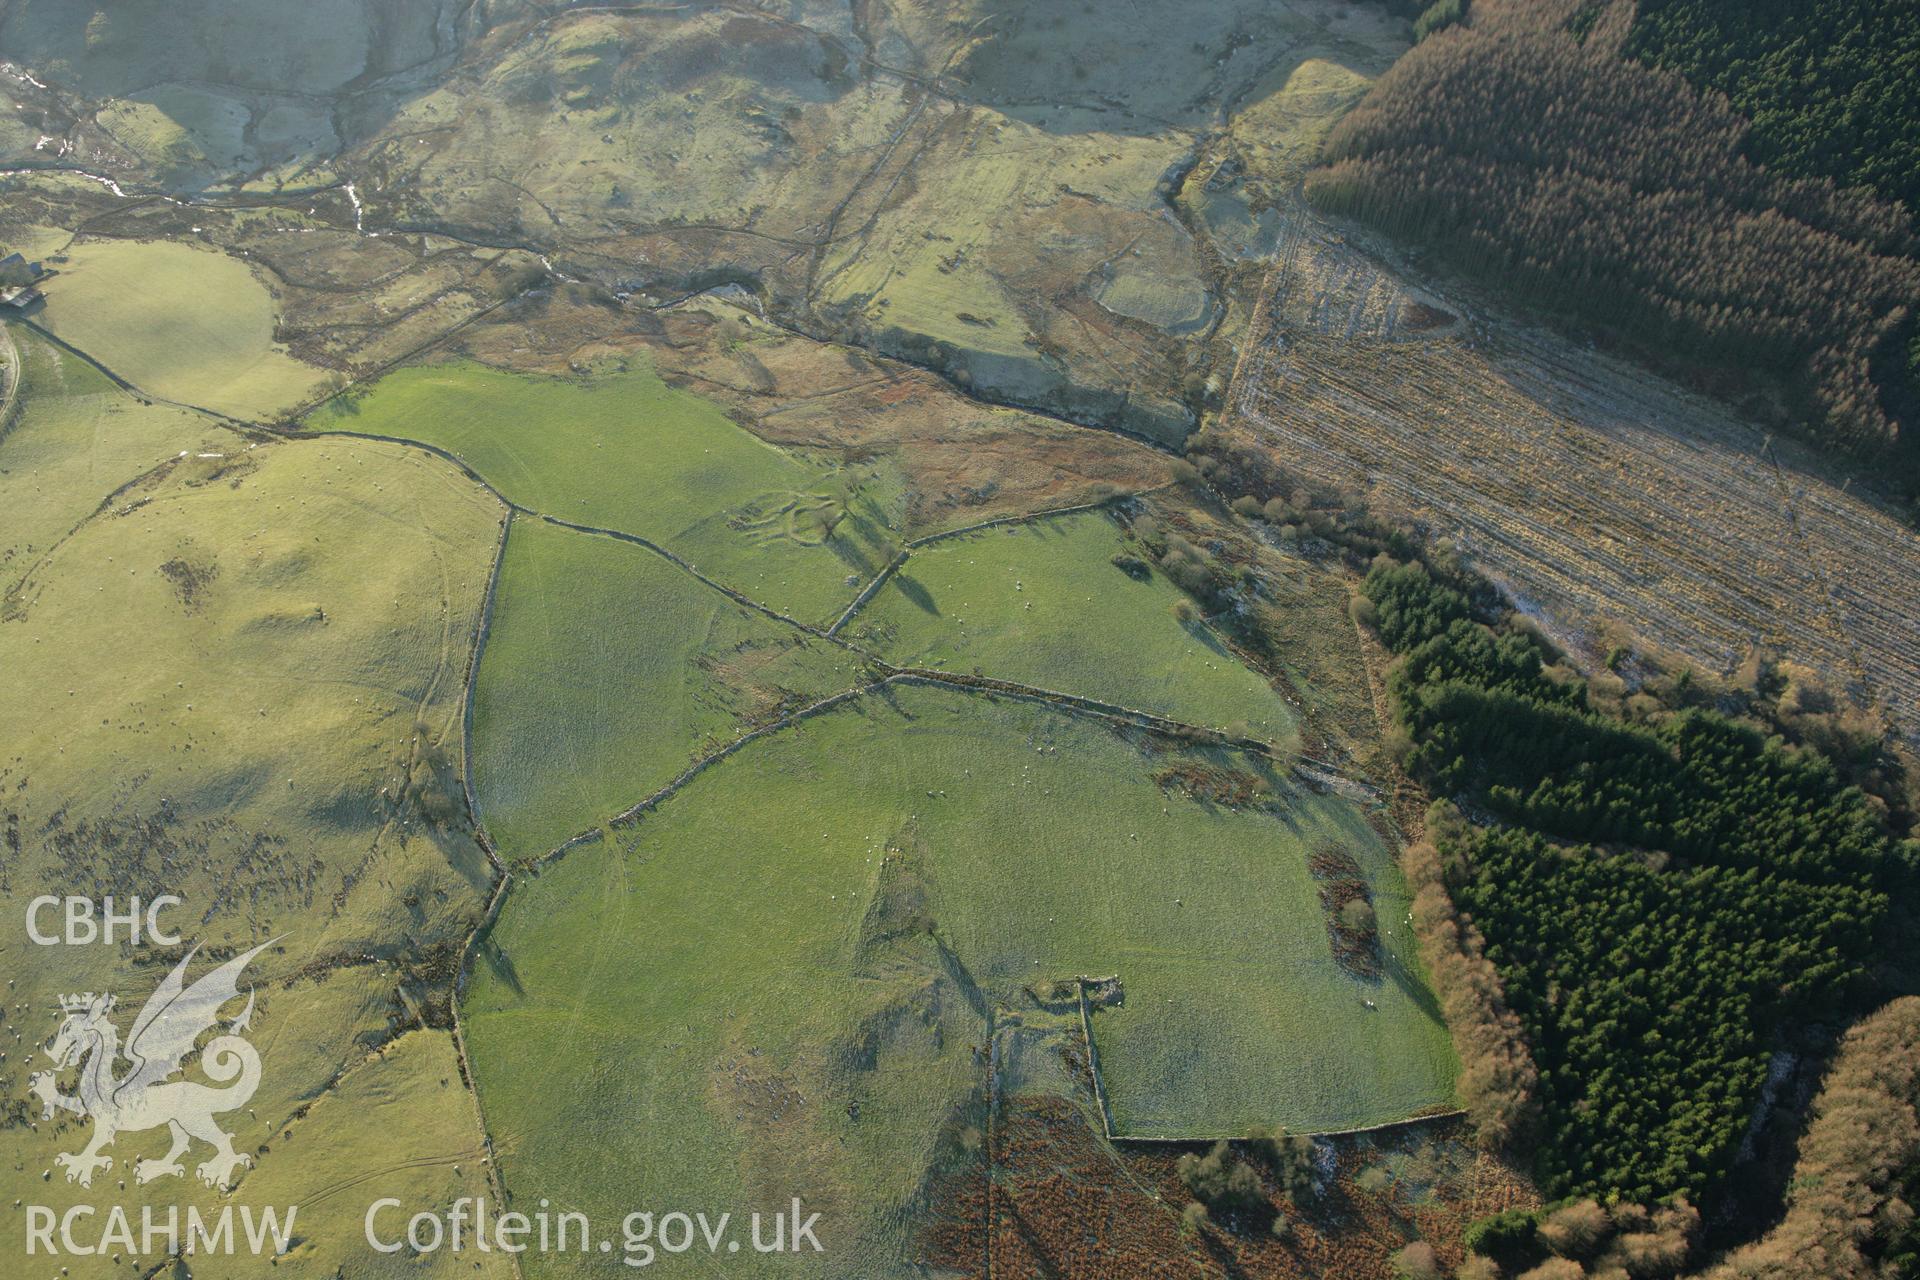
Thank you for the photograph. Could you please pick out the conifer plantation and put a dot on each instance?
(1661, 895)
(1527, 152)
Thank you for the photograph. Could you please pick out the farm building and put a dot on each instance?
(16, 271)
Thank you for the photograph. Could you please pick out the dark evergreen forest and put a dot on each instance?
(1530, 154)
(1661, 899)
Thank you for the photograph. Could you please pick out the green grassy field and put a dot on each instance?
(180, 322)
(619, 449)
(607, 670)
(332, 1160)
(775, 988)
(1043, 603)
(235, 681)
(348, 1159)
(241, 685)
(73, 440)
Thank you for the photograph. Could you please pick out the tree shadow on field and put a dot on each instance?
(502, 966)
(465, 859)
(1222, 1254)
(1199, 631)
(916, 592)
(889, 696)
(859, 545)
(1411, 986)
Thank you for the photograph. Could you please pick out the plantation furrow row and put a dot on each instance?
(1540, 549)
(1345, 472)
(1555, 468)
(1489, 469)
(1878, 555)
(1545, 566)
(1548, 376)
(1468, 491)
(1867, 542)
(1882, 631)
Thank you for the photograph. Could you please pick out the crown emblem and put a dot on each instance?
(81, 1003)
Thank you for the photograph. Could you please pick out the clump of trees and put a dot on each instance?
(1499, 1081)
(1438, 16)
(1353, 926)
(1656, 898)
(1189, 568)
(1610, 191)
(1219, 579)
(1221, 1182)
(1578, 1238)
(1288, 1158)
(1429, 16)
(1258, 488)
(1510, 1237)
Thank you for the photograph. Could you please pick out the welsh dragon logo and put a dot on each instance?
(157, 1046)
